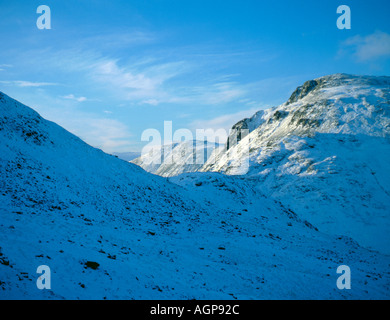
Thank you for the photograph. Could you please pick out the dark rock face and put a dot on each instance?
(91, 264)
(238, 132)
(302, 91)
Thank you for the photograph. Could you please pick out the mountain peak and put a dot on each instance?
(336, 80)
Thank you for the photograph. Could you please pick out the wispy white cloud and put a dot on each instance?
(73, 97)
(152, 79)
(120, 39)
(367, 48)
(107, 134)
(144, 83)
(21, 83)
(218, 93)
(152, 102)
(5, 66)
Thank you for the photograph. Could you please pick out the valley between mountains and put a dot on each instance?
(315, 195)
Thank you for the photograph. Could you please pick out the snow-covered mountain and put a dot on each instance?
(325, 153)
(337, 104)
(108, 229)
(176, 158)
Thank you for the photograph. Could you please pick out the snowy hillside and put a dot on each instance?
(127, 156)
(109, 230)
(325, 153)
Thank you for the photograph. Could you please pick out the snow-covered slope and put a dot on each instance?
(325, 153)
(176, 158)
(108, 229)
(127, 156)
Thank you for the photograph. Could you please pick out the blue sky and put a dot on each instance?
(108, 70)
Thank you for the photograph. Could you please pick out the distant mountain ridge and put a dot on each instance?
(176, 158)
